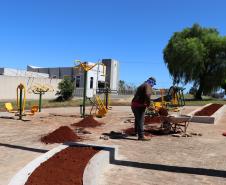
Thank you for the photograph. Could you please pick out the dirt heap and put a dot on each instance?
(151, 119)
(131, 132)
(60, 135)
(88, 121)
(209, 110)
(163, 112)
(65, 167)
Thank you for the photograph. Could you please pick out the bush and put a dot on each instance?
(217, 95)
(66, 89)
(193, 91)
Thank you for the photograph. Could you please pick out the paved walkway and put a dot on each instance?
(163, 160)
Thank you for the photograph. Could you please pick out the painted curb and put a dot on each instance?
(207, 119)
(93, 169)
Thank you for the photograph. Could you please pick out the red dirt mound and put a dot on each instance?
(209, 110)
(60, 135)
(147, 132)
(163, 111)
(151, 119)
(88, 121)
(224, 134)
(131, 131)
(65, 167)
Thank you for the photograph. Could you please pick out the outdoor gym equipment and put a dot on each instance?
(85, 67)
(20, 100)
(106, 91)
(40, 90)
(99, 105)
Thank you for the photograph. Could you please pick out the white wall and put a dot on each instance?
(8, 85)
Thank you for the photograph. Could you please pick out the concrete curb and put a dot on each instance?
(207, 119)
(92, 171)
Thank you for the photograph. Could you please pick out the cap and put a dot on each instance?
(151, 81)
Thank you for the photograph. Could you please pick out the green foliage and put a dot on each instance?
(122, 84)
(193, 91)
(197, 55)
(223, 86)
(66, 89)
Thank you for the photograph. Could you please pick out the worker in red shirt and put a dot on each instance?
(140, 102)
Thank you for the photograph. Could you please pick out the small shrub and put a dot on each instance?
(66, 89)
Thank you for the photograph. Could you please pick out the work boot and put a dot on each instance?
(145, 138)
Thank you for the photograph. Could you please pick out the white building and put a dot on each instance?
(100, 76)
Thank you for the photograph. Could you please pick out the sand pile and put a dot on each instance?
(88, 121)
(60, 135)
(209, 110)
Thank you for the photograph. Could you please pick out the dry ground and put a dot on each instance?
(163, 160)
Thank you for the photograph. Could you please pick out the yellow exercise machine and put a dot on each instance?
(40, 90)
(20, 103)
(101, 109)
(85, 67)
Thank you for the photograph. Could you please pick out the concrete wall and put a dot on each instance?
(19, 72)
(8, 85)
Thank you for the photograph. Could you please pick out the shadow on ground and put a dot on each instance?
(24, 148)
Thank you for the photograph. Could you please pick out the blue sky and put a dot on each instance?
(52, 33)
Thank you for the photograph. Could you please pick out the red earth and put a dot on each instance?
(147, 132)
(209, 110)
(88, 121)
(60, 135)
(151, 119)
(64, 168)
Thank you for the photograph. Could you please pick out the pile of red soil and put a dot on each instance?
(151, 119)
(209, 110)
(64, 168)
(147, 132)
(163, 112)
(131, 132)
(224, 133)
(60, 135)
(88, 121)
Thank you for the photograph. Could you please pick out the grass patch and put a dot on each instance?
(45, 104)
(203, 102)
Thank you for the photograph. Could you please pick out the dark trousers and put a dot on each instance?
(139, 113)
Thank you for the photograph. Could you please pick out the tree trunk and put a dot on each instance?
(198, 94)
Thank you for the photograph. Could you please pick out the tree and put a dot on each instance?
(122, 85)
(66, 89)
(223, 86)
(197, 55)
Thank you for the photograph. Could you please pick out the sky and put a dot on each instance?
(55, 33)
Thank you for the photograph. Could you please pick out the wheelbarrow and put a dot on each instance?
(177, 123)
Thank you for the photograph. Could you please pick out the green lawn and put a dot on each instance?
(204, 102)
(45, 104)
(206, 99)
(77, 102)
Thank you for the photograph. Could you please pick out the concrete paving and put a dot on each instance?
(163, 160)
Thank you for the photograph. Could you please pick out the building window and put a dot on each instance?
(77, 84)
(91, 82)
